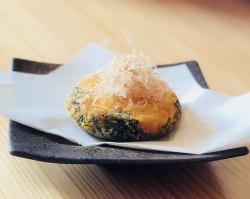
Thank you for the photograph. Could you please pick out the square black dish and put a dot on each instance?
(30, 143)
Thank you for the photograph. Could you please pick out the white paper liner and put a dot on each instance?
(210, 121)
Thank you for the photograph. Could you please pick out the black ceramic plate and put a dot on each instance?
(30, 143)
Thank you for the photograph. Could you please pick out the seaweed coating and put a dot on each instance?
(118, 126)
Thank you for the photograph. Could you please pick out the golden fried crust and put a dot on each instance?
(125, 123)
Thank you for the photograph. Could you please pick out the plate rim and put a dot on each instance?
(25, 65)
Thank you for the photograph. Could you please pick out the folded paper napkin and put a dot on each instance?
(210, 120)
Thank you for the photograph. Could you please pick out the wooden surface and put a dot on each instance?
(216, 33)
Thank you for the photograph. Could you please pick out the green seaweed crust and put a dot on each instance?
(116, 126)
